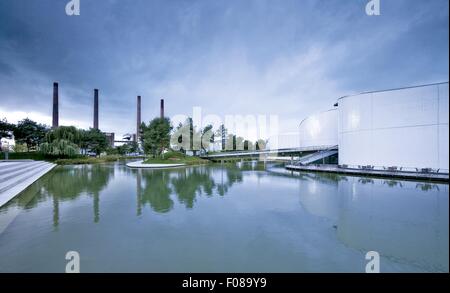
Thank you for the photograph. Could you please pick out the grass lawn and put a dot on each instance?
(91, 160)
(77, 160)
(176, 158)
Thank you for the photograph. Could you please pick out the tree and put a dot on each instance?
(248, 145)
(62, 141)
(69, 133)
(222, 134)
(186, 137)
(121, 149)
(6, 129)
(260, 144)
(156, 136)
(94, 140)
(19, 148)
(230, 142)
(239, 143)
(207, 137)
(133, 147)
(30, 133)
(112, 151)
(194, 136)
(127, 148)
(59, 148)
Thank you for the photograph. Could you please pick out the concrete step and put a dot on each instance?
(11, 167)
(22, 177)
(11, 190)
(19, 171)
(8, 164)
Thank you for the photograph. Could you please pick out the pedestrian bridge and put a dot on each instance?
(265, 153)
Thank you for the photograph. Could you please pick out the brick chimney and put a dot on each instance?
(55, 123)
(162, 109)
(95, 108)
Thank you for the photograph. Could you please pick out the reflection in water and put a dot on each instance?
(400, 222)
(188, 183)
(365, 181)
(393, 183)
(155, 187)
(67, 184)
(405, 221)
(427, 186)
(156, 191)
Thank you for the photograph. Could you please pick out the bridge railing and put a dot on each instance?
(263, 152)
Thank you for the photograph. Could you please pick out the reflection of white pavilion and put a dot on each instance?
(321, 199)
(397, 219)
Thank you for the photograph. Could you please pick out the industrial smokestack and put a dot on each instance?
(95, 108)
(138, 116)
(55, 123)
(162, 109)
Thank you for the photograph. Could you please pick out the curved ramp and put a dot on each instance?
(319, 155)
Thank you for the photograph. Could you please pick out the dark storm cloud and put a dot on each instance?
(289, 57)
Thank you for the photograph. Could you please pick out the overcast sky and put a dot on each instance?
(289, 57)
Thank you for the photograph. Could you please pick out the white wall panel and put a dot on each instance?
(283, 141)
(443, 146)
(406, 107)
(443, 103)
(356, 148)
(357, 114)
(404, 128)
(405, 147)
(320, 129)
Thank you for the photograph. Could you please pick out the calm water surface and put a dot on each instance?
(231, 218)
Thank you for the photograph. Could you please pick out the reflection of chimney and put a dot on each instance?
(95, 108)
(162, 109)
(55, 105)
(138, 121)
(138, 192)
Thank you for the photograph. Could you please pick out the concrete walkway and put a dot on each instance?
(140, 164)
(16, 176)
(441, 177)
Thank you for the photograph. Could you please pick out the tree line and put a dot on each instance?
(159, 135)
(155, 137)
(63, 141)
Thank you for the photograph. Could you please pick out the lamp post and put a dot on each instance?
(5, 149)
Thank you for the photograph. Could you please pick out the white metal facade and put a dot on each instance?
(405, 128)
(320, 129)
(283, 141)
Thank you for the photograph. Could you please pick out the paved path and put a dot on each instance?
(16, 176)
(140, 164)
